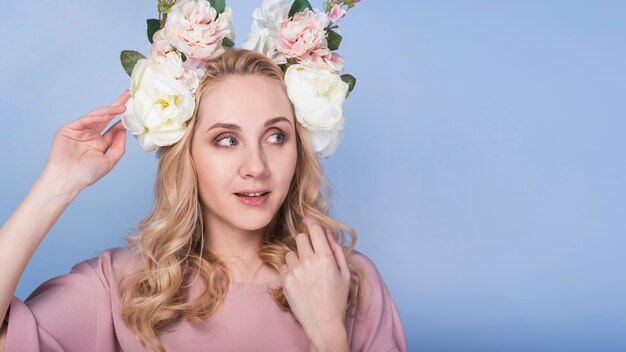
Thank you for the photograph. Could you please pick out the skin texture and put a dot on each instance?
(229, 161)
(321, 264)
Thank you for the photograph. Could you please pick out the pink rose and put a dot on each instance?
(191, 27)
(336, 13)
(160, 44)
(322, 57)
(167, 61)
(303, 32)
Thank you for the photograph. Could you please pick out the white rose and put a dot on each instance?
(318, 96)
(191, 27)
(325, 142)
(159, 107)
(228, 17)
(266, 21)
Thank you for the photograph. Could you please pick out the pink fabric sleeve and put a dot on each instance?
(378, 326)
(71, 312)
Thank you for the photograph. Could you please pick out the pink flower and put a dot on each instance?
(166, 60)
(191, 27)
(336, 13)
(322, 57)
(302, 33)
(160, 45)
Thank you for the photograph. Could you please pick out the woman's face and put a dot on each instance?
(244, 141)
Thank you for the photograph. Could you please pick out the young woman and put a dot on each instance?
(238, 254)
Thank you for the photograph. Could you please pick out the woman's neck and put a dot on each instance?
(239, 250)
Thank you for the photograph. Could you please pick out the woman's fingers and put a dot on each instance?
(340, 256)
(109, 135)
(305, 250)
(123, 98)
(116, 142)
(114, 107)
(109, 110)
(320, 244)
(292, 260)
(89, 121)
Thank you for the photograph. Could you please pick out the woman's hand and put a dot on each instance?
(316, 282)
(80, 155)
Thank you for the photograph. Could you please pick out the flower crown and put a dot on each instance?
(300, 39)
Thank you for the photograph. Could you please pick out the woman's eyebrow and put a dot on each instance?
(232, 126)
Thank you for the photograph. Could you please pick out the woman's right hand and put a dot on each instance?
(80, 155)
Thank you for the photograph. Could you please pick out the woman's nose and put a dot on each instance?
(255, 164)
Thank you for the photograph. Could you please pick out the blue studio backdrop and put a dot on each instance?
(481, 165)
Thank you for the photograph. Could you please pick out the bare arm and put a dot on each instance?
(79, 157)
(26, 228)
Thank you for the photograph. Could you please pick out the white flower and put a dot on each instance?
(318, 96)
(191, 27)
(159, 107)
(228, 17)
(264, 30)
(325, 142)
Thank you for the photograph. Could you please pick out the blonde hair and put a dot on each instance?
(171, 239)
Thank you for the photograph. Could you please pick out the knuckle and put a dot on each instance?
(306, 262)
(326, 259)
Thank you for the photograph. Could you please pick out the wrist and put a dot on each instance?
(332, 338)
(57, 186)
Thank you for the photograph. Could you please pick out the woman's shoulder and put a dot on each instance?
(364, 262)
(372, 278)
(111, 263)
(377, 326)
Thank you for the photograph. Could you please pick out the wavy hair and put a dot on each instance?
(170, 239)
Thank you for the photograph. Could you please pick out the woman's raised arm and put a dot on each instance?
(79, 156)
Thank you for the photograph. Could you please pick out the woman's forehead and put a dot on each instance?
(244, 100)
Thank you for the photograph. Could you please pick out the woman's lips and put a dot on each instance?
(252, 200)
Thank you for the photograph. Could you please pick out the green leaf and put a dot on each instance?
(218, 5)
(348, 78)
(227, 42)
(291, 61)
(334, 39)
(153, 26)
(129, 59)
(329, 6)
(299, 6)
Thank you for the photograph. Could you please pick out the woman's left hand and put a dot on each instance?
(316, 282)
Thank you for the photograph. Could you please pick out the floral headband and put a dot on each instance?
(300, 39)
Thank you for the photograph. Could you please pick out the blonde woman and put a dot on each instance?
(238, 254)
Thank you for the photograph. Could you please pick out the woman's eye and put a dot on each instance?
(281, 137)
(230, 141)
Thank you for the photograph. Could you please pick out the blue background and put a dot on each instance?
(482, 162)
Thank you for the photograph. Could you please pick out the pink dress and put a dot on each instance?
(79, 311)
